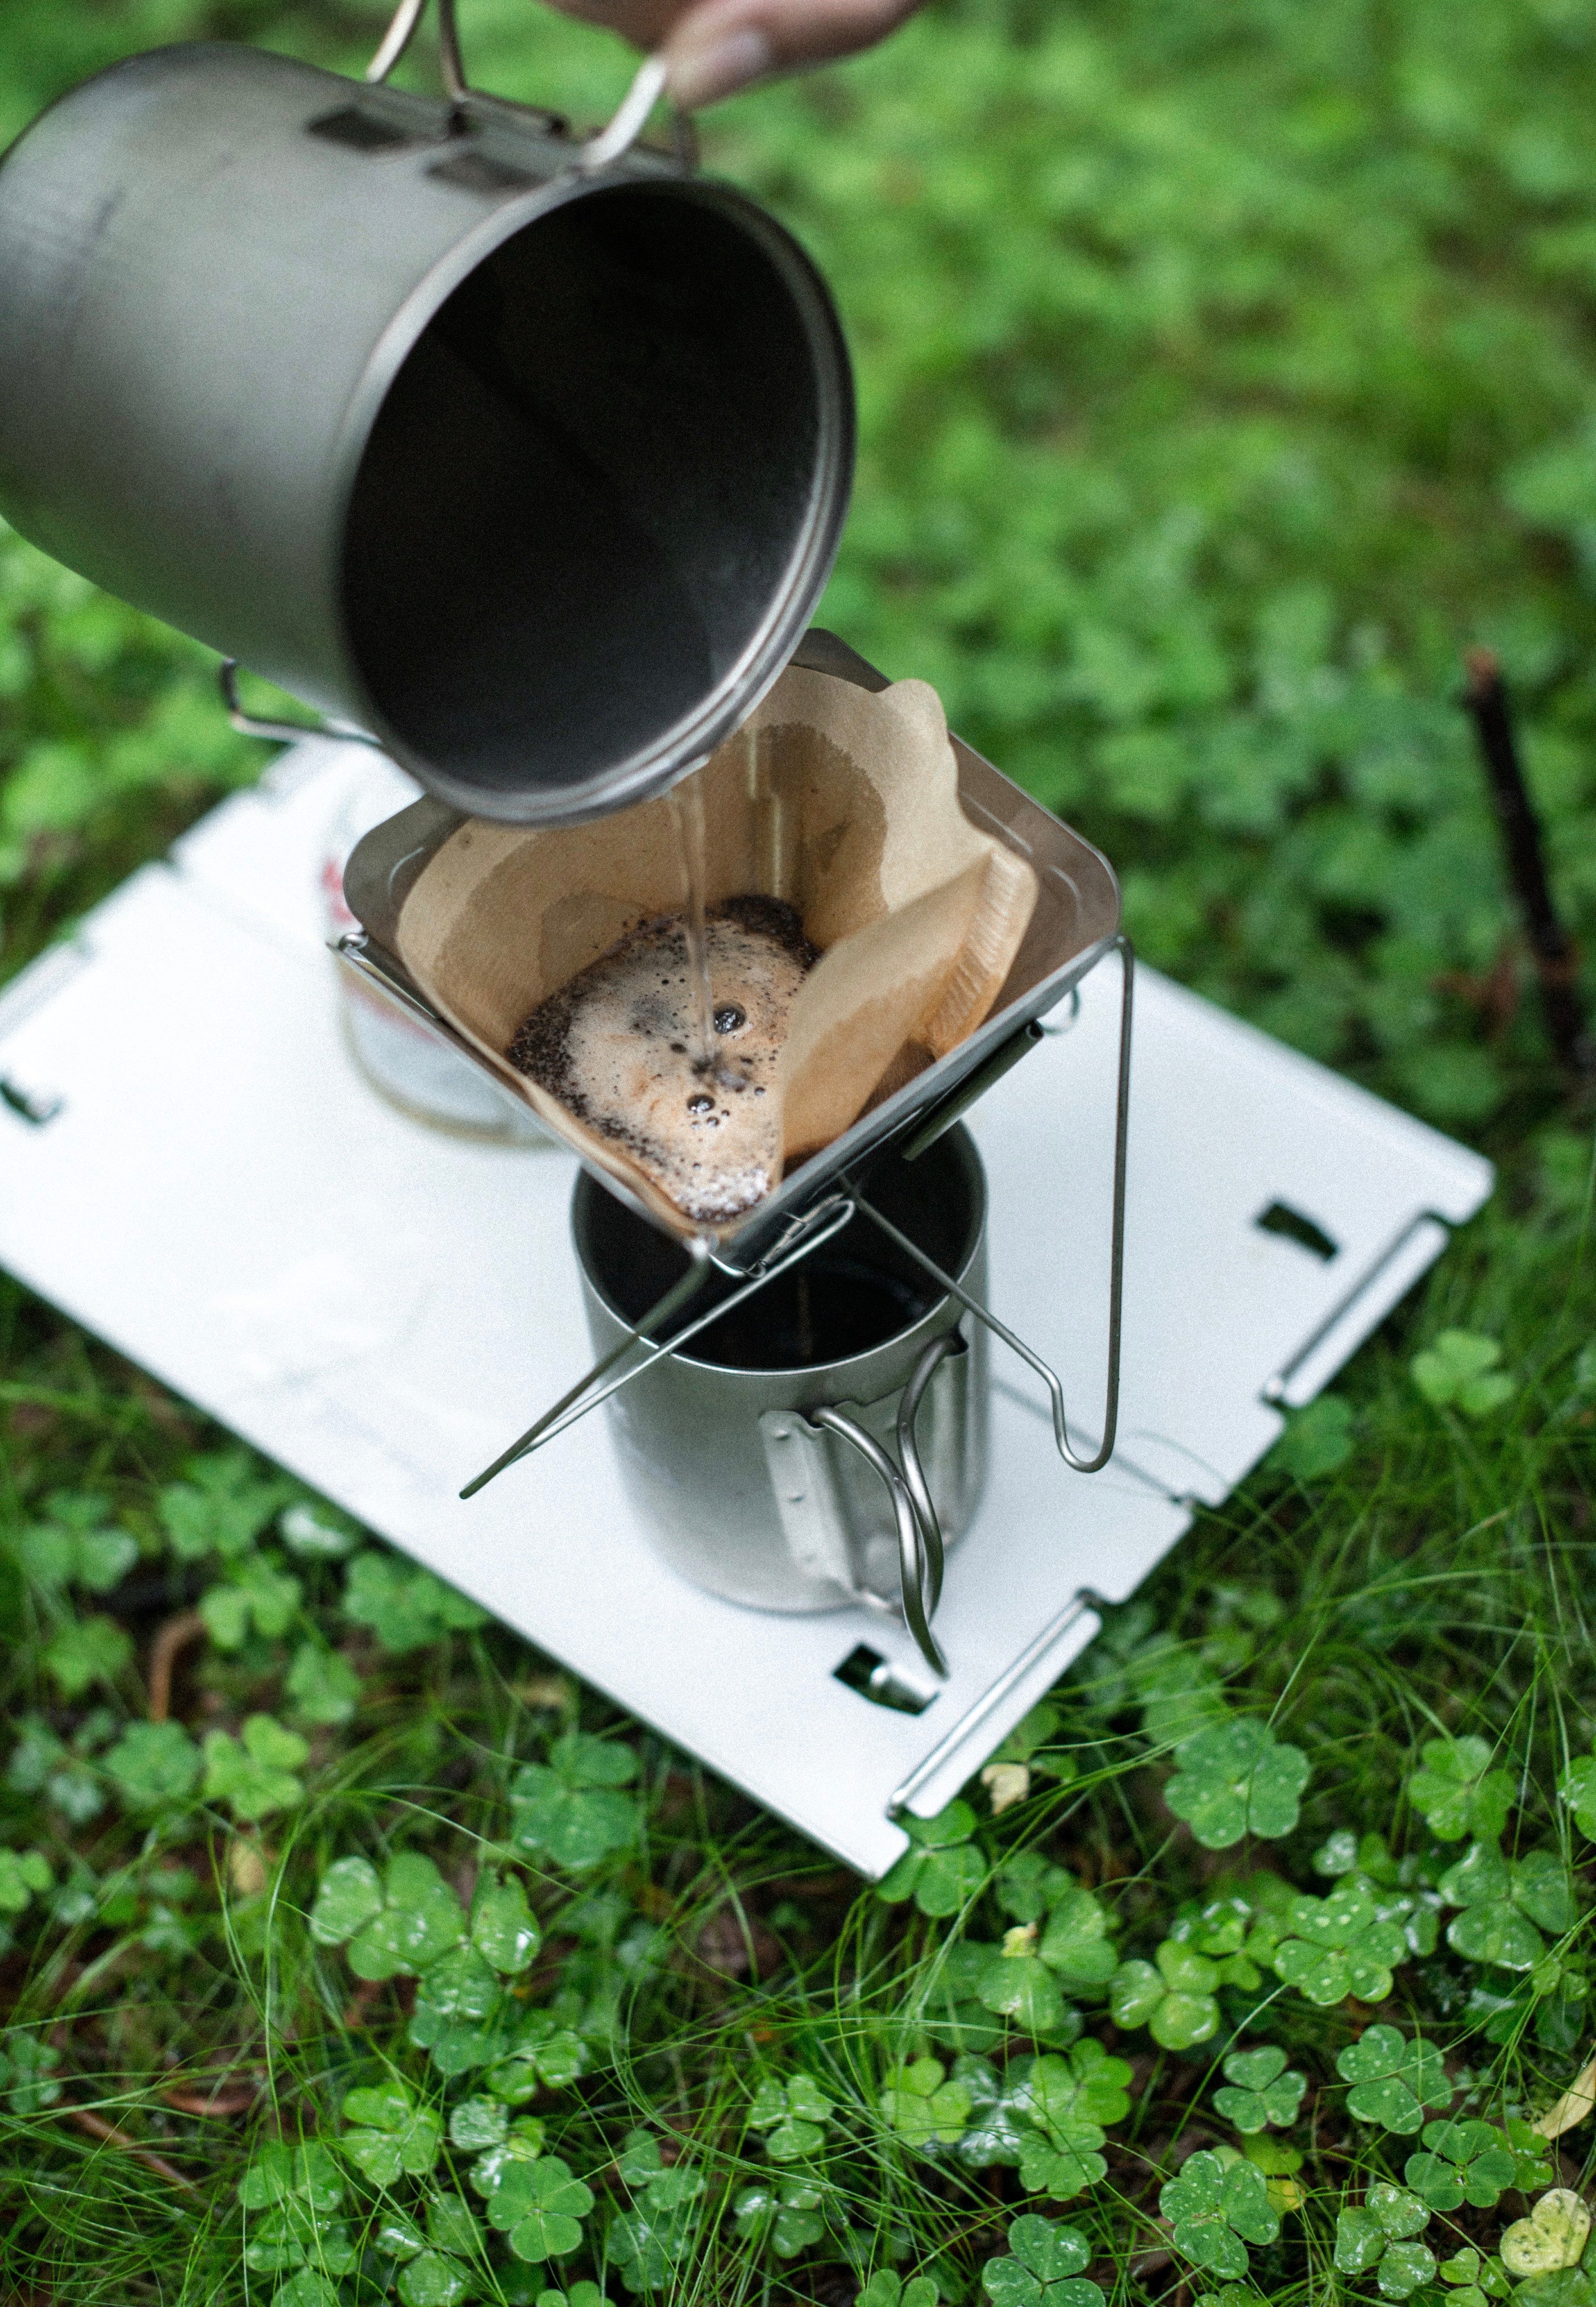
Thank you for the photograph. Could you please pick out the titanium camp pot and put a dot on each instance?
(818, 1446)
(525, 456)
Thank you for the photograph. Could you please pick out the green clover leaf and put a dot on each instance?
(1263, 2090)
(1216, 2211)
(25, 2063)
(1075, 1945)
(1173, 1996)
(322, 1684)
(1460, 1372)
(253, 1774)
(522, 2142)
(648, 2243)
(1069, 2099)
(1393, 2079)
(1479, 2279)
(278, 2173)
(1456, 1791)
(1502, 1901)
(541, 2208)
(922, 2106)
(941, 1870)
(1318, 1440)
(24, 1875)
(503, 1928)
(255, 1593)
(794, 2116)
(1379, 2237)
(1043, 2269)
(305, 2289)
(786, 2215)
(462, 2016)
(1339, 1947)
(1463, 2162)
(435, 2279)
(77, 1545)
(395, 1927)
(404, 1605)
(1577, 1788)
(220, 1508)
(543, 2056)
(887, 2288)
(1017, 1984)
(87, 1651)
(999, 2112)
(478, 2123)
(569, 1807)
(1235, 1779)
(392, 2135)
(154, 1765)
(41, 1762)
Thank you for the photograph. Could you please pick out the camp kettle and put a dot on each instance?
(523, 455)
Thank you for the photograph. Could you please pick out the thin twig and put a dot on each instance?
(226, 2099)
(171, 1641)
(98, 2127)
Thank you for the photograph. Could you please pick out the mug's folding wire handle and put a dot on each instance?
(915, 1512)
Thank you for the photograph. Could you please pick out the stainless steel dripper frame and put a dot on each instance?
(1075, 925)
(524, 457)
(765, 1451)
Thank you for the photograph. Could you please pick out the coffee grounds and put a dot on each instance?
(615, 1046)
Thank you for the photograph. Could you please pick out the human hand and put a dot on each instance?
(713, 48)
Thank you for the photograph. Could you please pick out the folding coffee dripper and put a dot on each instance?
(1074, 925)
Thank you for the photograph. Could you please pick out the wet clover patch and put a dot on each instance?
(1379, 2237)
(1261, 2090)
(1393, 2080)
(394, 1925)
(570, 1807)
(793, 2115)
(786, 2216)
(254, 1774)
(404, 1605)
(1462, 2162)
(1216, 2209)
(1456, 1791)
(922, 2106)
(942, 1869)
(1506, 1903)
(540, 2208)
(1042, 2267)
(390, 2135)
(1459, 1372)
(1234, 1779)
(1338, 1946)
(1070, 2100)
(1174, 1996)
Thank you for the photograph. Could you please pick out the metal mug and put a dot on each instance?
(764, 1458)
(524, 456)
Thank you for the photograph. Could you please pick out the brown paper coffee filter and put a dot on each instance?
(842, 802)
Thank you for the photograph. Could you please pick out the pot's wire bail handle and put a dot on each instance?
(600, 150)
(283, 733)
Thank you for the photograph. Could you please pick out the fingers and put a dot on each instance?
(721, 45)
